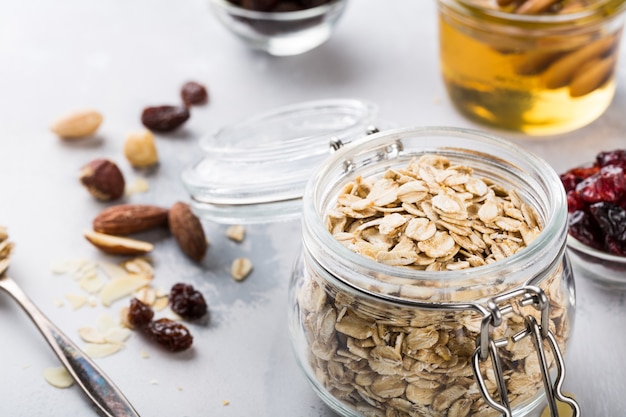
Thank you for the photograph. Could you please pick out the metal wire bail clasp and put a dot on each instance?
(487, 347)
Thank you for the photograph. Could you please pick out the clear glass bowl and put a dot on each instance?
(281, 33)
(603, 268)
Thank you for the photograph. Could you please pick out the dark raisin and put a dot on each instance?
(164, 118)
(584, 228)
(607, 185)
(187, 302)
(174, 336)
(616, 157)
(139, 314)
(193, 93)
(611, 219)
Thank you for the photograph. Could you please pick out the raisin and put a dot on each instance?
(164, 118)
(139, 314)
(609, 184)
(187, 302)
(584, 228)
(193, 93)
(174, 336)
(611, 219)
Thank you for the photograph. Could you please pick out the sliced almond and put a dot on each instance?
(122, 287)
(91, 335)
(160, 303)
(58, 377)
(240, 268)
(112, 270)
(117, 335)
(236, 233)
(76, 301)
(146, 295)
(91, 284)
(117, 245)
(101, 350)
(105, 322)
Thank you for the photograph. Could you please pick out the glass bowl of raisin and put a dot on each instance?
(280, 27)
(596, 199)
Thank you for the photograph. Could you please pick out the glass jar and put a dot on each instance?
(539, 74)
(379, 340)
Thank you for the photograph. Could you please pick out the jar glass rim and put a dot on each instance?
(600, 10)
(278, 16)
(364, 273)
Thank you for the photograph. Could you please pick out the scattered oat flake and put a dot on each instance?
(58, 377)
(144, 354)
(76, 301)
(91, 335)
(179, 388)
(58, 302)
(101, 350)
(121, 287)
(236, 232)
(240, 268)
(225, 403)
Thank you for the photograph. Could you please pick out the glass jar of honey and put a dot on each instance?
(540, 67)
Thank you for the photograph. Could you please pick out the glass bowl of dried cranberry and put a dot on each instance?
(280, 27)
(596, 199)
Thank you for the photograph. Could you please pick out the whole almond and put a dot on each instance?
(125, 219)
(187, 230)
(77, 124)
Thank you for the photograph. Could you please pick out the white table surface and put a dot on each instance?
(120, 56)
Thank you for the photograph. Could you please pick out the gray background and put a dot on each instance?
(119, 56)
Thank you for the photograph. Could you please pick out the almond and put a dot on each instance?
(187, 230)
(125, 219)
(77, 124)
(118, 245)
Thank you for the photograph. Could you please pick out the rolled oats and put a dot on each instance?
(388, 360)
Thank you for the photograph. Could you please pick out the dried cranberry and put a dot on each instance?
(615, 247)
(187, 302)
(193, 93)
(569, 181)
(173, 336)
(164, 118)
(611, 219)
(574, 202)
(139, 314)
(584, 228)
(616, 157)
(607, 185)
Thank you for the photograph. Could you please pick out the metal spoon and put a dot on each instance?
(98, 387)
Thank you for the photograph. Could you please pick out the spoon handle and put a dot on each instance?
(98, 387)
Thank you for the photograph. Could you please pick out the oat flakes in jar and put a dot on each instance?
(433, 279)
(539, 67)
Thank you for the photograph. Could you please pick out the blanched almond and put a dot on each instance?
(77, 124)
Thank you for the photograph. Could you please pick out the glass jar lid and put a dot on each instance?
(256, 171)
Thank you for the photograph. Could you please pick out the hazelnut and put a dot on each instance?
(103, 179)
(140, 149)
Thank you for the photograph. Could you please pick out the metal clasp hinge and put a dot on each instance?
(487, 347)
